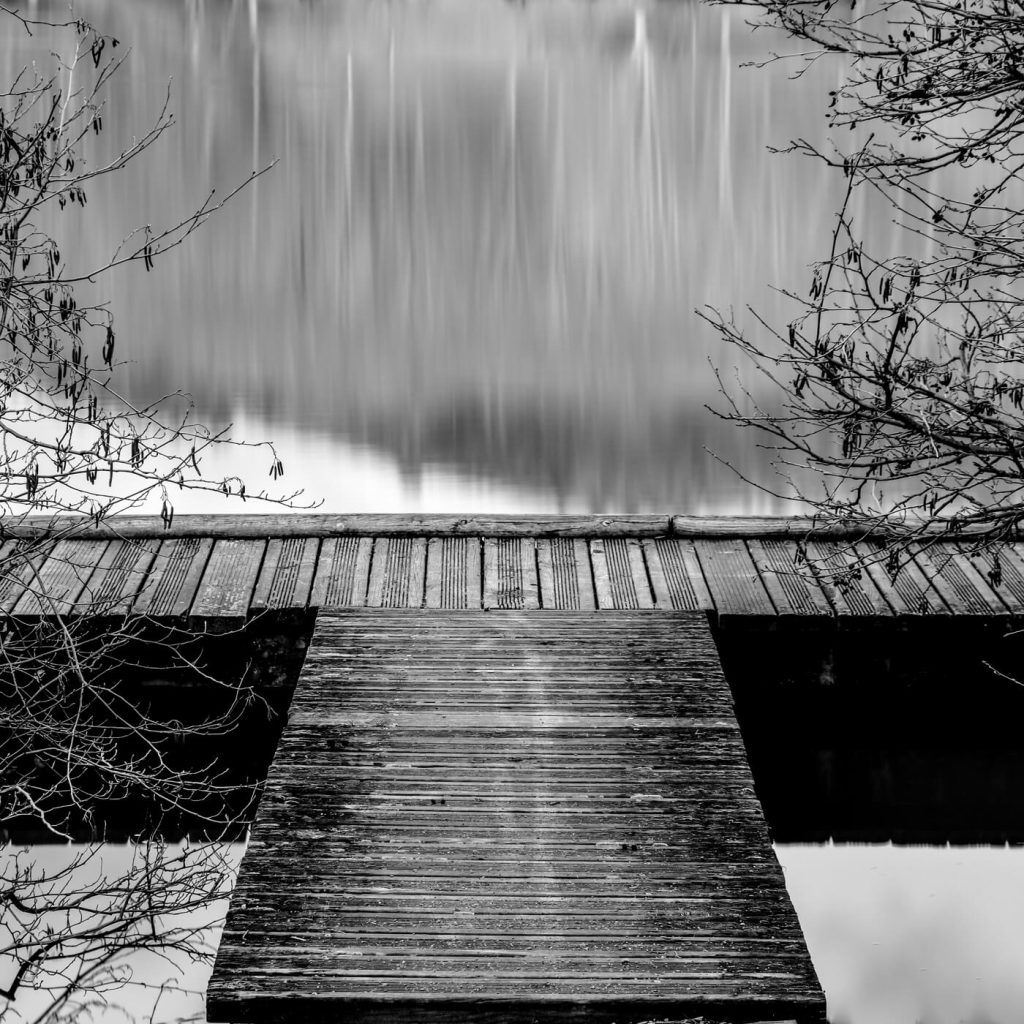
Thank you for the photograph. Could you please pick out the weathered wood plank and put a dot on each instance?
(907, 590)
(174, 577)
(1002, 569)
(602, 577)
(962, 587)
(566, 581)
(227, 584)
(677, 579)
(298, 524)
(323, 525)
(286, 578)
(20, 561)
(453, 578)
(792, 586)
(342, 572)
(735, 584)
(510, 573)
(54, 587)
(466, 812)
(117, 578)
(850, 589)
(620, 575)
(397, 572)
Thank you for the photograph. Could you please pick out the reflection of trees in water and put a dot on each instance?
(581, 459)
(472, 200)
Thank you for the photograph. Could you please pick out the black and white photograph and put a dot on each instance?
(511, 512)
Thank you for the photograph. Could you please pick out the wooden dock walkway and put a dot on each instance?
(518, 816)
(544, 812)
(234, 567)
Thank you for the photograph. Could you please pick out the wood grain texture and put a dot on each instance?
(286, 578)
(118, 577)
(903, 585)
(521, 816)
(790, 582)
(510, 573)
(1011, 566)
(1001, 572)
(322, 525)
(851, 590)
(566, 579)
(328, 525)
(760, 577)
(20, 561)
(677, 580)
(453, 572)
(52, 586)
(229, 580)
(735, 584)
(620, 573)
(961, 585)
(397, 572)
(342, 572)
(174, 577)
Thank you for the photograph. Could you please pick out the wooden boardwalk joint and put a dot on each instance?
(518, 815)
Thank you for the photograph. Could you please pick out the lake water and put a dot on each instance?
(469, 284)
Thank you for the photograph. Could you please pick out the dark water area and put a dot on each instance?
(470, 280)
(888, 760)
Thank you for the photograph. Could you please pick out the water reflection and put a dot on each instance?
(127, 932)
(486, 237)
(913, 934)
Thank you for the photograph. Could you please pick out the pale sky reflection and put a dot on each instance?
(908, 934)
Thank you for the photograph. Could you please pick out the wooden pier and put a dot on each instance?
(544, 812)
(507, 817)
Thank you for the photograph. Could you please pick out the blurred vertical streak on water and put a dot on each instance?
(474, 270)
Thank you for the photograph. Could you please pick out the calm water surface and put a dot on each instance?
(470, 281)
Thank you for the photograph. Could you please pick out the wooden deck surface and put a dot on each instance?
(509, 817)
(235, 576)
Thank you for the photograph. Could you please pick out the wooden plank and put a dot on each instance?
(453, 573)
(677, 580)
(228, 582)
(962, 587)
(565, 574)
(792, 585)
(851, 590)
(602, 580)
(286, 578)
(620, 576)
(908, 591)
(297, 524)
(54, 588)
(1002, 569)
(510, 573)
(342, 572)
(735, 584)
(507, 889)
(174, 577)
(118, 577)
(20, 561)
(397, 572)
